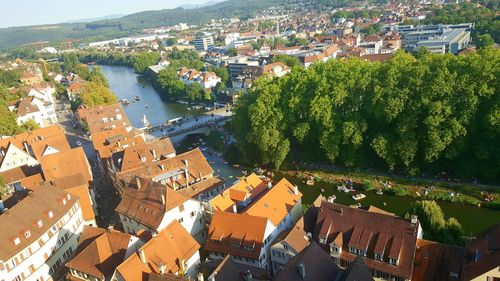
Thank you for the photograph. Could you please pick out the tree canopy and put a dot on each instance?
(93, 94)
(142, 61)
(428, 114)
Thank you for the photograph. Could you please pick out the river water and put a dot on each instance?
(126, 84)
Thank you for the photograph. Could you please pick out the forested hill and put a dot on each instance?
(131, 24)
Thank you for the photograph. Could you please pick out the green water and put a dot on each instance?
(473, 219)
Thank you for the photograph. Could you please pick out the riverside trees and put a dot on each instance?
(416, 114)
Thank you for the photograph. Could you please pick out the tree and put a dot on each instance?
(435, 226)
(194, 91)
(291, 61)
(232, 52)
(169, 82)
(171, 41)
(93, 94)
(30, 125)
(222, 73)
(8, 121)
(142, 61)
(484, 41)
(97, 76)
(70, 60)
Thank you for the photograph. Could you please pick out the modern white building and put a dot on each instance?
(203, 43)
(206, 79)
(39, 234)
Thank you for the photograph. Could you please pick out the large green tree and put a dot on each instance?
(142, 61)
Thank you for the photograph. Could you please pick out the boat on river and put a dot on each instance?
(182, 102)
(137, 98)
(125, 101)
(358, 196)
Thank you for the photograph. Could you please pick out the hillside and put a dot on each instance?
(132, 24)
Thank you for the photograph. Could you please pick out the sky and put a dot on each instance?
(31, 12)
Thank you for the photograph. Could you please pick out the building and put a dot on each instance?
(438, 38)
(151, 206)
(387, 243)
(241, 194)
(35, 107)
(484, 263)
(312, 263)
(245, 238)
(248, 74)
(248, 237)
(450, 41)
(228, 269)
(39, 234)
(30, 78)
(172, 250)
(103, 117)
(203, 43)
(99, 252)
(288, 245)
(179, 172)
(206, 79)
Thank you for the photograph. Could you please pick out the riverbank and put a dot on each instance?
(442, 191)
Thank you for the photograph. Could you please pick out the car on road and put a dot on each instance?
(79, 143)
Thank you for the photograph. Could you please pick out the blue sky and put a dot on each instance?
(29, 12)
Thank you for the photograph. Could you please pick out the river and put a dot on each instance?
(126, 84)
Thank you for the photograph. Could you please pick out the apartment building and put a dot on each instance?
(206, 79)
(103, 117)
(39, 234)
(151, 206)
(203, 43)
(171, 251)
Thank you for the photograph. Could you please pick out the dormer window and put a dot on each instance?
(27, 234)
(17, 241)
(51, 214)
(39, 223)
(68, 196)
(379, 257)
(64, 201)
(393, 261)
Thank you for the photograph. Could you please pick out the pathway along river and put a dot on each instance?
(126, 84)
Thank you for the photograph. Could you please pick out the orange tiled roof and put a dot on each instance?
(145, 204)
(230, 233)
(102, 254)
(171, 247)
(141, 154)
(67, 163)
(276, 203)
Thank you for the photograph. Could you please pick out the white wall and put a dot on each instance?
(73, 225)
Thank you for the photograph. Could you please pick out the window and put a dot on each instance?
(39, 223)
(27, 234)
(393, 261)
(181, 220)
(193, 214)
(64, 201)
(17, 241)
(51, 214)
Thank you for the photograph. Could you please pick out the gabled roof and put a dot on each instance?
(25, 215)
(141, 154)
(103, 117)
(317, 263)
(99, 255)
(276, 203)
(145, 204)
(296, 237)
(391, 236)
(230, 232)
(171, 247)
(357, 271)
(230, 270)
(67, 163)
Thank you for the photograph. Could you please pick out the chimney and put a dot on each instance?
(302, 270)
(296, 190)
(187, 172)
(163, 267)
(269, 184)
(414, 219)
(142, 255)
(110, 228)
(200, 277)
(138, 183)
(249, 275)
(341, 211)
(154, 153)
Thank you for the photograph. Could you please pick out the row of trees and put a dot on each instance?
(413, 114)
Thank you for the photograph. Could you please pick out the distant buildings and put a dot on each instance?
(203, 43)
(206, 79)
(38, 106)
(439, 38)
